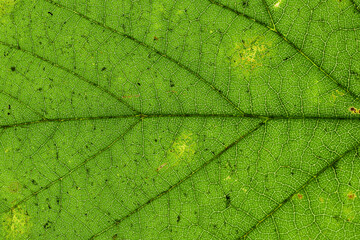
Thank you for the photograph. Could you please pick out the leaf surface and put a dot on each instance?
(179, 119)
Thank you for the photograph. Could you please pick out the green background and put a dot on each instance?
(194, 119)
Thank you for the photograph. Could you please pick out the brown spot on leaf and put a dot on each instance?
(351, 195)
(14, 187)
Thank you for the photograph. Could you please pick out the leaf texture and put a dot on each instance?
(154, 119)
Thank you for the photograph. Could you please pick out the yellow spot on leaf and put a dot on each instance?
(181, 151)
(336, 94)
(183, 148)
(277, 4)
(227, 178)
(6, 6)
(351, 195)
(249, 54)
(16, 224)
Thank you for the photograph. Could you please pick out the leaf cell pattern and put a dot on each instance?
(153, 119)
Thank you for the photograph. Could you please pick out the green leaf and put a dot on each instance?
(154, 119)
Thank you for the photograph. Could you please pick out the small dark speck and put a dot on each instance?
(9, 106)
(138, 84)
(47, 225)
(8, 113)
(178, 218)
(228, 200)
(13, 69)
(286, 58)
(50, 13)
(103, 69)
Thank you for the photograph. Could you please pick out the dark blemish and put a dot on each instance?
(185, 10)
(351, 196)
(49, 206)
(245, 3)
(228, 200)
(155, 38)
(8, 113)
(48, 224)
(115, 237)
(353, 110)
(178, 219)
(50, 13)
(292, 173)
(215, 226)
(155, 140)
(139, 84)
(13, 69)
(172, 84)
(40, 89)
(286, 58)
(103, 69)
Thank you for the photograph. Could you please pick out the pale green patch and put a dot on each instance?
(6, 6)
(181, 151)
(335, 94)
(249, 54)
(349, 213)
(10, 188)
(157, 15)
(16, 224)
